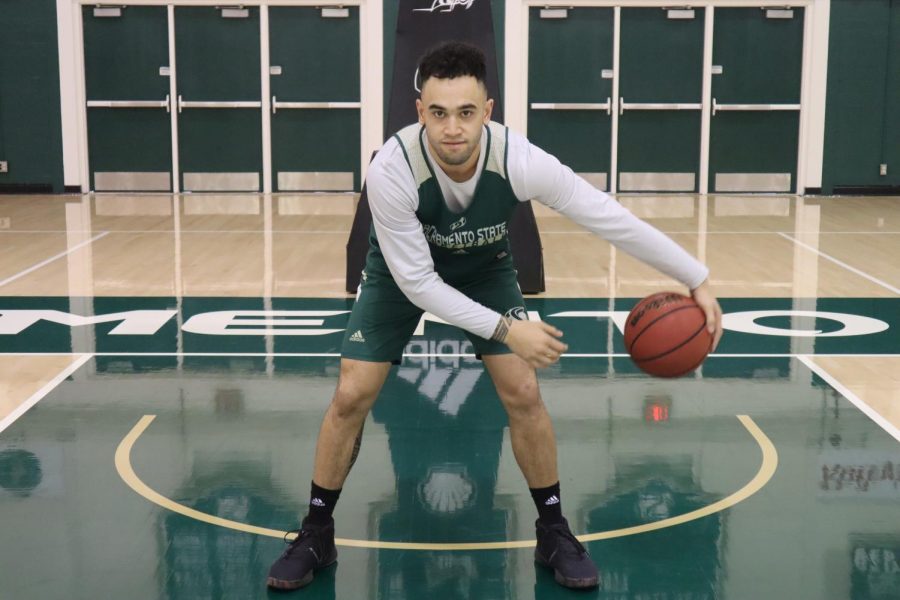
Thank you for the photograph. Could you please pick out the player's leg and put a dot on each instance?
(532, 437)
(380, 325)
(339, 437)
(341, 433)
(534, 445)
(530, 428)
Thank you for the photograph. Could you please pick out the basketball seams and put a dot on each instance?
(681, 345)
(703, 358)
(697, 364)
(662, 316)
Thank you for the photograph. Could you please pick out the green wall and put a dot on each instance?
(30, 121)
(862, 128)
(862, 116)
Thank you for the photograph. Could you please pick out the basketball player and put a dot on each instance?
(442, 193)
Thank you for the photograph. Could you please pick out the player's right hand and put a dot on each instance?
(535, 342)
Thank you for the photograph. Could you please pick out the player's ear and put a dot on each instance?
(488, 109)
(420, 108)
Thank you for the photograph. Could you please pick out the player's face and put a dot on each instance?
(453, 112)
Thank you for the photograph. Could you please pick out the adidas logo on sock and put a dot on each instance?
(551, 501)
(318, 502)
(357, 337)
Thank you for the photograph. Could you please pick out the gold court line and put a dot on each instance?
(763, 475)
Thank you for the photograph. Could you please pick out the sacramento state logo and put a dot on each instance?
(518, 313)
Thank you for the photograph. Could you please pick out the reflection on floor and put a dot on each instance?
(234, 439)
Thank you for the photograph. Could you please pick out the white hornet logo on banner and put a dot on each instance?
(446, 5)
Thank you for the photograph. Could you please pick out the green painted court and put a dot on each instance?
(753, 478)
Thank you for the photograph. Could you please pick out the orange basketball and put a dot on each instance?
(666, 334)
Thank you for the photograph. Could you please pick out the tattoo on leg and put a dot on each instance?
(356, 444)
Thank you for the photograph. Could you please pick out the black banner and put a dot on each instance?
(423, 24)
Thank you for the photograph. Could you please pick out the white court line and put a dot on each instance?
(186, 232)
(694, 231)
(39, 395)
(853, 398)
(334, 232)
(416, 354)
(51, 259)
(875, 280)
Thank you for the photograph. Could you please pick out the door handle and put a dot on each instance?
(182, 104)
(129, 103)
(571, 105)
(623, 106)
(752, 107)
(313, 105)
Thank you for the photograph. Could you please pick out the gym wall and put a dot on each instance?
(863, 102)
(30, 125)
(861, 126)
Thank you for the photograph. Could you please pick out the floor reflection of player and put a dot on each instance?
(875, 572)
(204, 561)
(445, 453)
(20, 472)
(674, 562)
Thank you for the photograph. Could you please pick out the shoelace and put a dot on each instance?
(302, 534)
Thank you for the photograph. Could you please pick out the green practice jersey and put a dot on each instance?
(467, 245)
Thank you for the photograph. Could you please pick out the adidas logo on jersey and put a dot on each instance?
(316, 502)
(551, 501)
(357, 337)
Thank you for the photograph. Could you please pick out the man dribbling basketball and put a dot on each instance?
(442, 193)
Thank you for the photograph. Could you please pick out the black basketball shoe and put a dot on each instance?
(558, 549)
(311, 550)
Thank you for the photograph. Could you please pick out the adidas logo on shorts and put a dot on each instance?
(551, 500)
(357, 337)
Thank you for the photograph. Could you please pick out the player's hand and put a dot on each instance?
(707, 301)
(535, 342)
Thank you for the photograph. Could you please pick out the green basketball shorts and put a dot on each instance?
(383, 319)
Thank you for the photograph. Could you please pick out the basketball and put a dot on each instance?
(666, 334)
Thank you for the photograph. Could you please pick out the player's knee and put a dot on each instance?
(522, 397)
(351, 402)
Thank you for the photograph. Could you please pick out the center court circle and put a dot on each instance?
(766, 470)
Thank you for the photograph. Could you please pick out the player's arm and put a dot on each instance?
(393, 201)
(537, 175)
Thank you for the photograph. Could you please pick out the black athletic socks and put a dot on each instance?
(548, 505)
(323, 501)
(321, 504)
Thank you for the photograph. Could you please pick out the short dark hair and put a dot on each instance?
(450, 60)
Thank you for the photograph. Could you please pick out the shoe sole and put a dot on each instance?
(295, 584)
(283, 584)
(569, 582)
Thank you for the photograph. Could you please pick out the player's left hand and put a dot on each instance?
(707, 301)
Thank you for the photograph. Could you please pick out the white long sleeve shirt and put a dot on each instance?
(533, 175)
